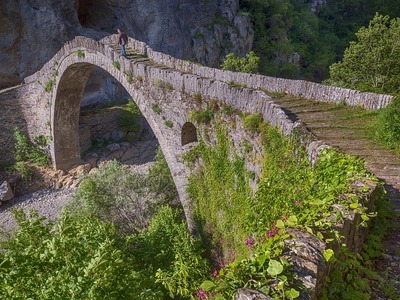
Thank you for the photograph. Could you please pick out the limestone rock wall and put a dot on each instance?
(32, 31)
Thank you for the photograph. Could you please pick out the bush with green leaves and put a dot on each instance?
(76, 258)
(202, 116)
(125, 198)
(83, 257)
(247, 228)
(30, 152)
(247, 64)
(252, 122)
(116, 194)
(370, 63)
(389, 125)
(129, 117)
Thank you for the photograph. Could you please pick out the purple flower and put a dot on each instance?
(214, 273)
(201, 294)
(249, 241)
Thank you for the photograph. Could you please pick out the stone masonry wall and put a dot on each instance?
(302, 88)
(24, 107)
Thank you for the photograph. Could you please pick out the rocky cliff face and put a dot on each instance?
(32, 31)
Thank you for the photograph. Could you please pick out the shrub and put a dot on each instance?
(169, 123)
(129, 117)
(80, 53)
(247, 64)
(160, 180)
(129, 77)
(389, 124)
(156, 108)
(116, 65)
(124, 198)
(117, 195)
(49, 85)
(252, 122)
(197, 97)
(77, 258)
(25, 152)
(158, 83)
(202, 117)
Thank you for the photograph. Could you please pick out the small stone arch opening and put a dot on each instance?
(189, 133)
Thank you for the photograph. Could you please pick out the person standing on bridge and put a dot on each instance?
(122, 41)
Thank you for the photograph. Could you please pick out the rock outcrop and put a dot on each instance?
(32, 31)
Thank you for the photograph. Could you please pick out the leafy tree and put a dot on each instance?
(247, 64)
(371, 63)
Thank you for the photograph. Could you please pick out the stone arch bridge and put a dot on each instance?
(176, 87)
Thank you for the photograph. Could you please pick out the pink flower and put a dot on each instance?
(214, 273)
(201, 294)
(273, 232)
(249, 242)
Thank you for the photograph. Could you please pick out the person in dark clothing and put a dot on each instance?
(122, 41)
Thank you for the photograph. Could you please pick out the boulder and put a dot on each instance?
(249, 294)
(6, 192)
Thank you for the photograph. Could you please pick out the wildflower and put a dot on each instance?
(201, 294)
(214, 273)
(249, 241)
(273, 232)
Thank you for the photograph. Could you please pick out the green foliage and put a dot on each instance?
(169, 123)
(127, 199)
(249, 228)
(202, 116)
(237, 85)
(295, 42)
(116, 65)
(23, 169)
(129, 76)
(160, 180)
(80, 53)
(115, 194)
(157, 109)
(247, 64)
(169, 87)
(25, 152)
(82, 257)
(78, 258)
(129, 117)
(252, 122)
(370, 63)
(158, 83)
(197, 97)
(49, 85)
(389, 125)
(168, 253)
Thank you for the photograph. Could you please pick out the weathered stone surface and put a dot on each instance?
(6, 192)
(34, 31)
(248, 294)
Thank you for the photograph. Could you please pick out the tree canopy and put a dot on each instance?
(372, 62)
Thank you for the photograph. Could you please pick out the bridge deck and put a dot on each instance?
(350, 129)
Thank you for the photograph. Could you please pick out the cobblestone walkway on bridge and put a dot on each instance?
(348, 129)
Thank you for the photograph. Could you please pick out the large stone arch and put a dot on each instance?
(73, 72)
(65, 115)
